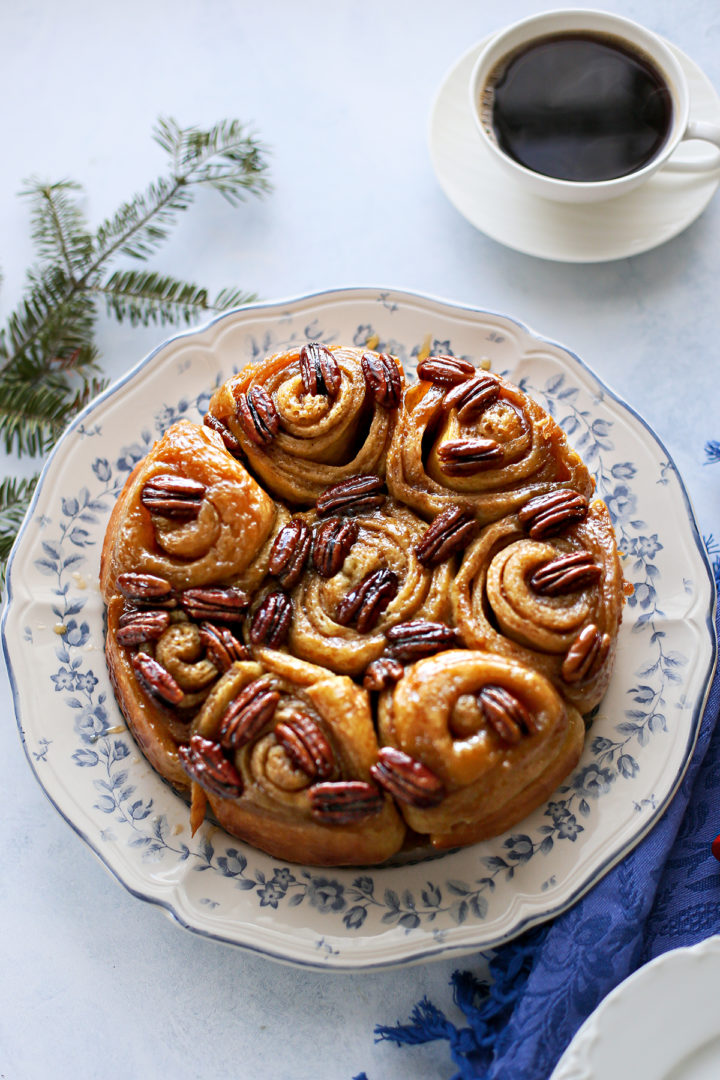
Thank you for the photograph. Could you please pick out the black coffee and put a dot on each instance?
(580, 107)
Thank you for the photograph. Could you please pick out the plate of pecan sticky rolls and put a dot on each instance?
(359, 628)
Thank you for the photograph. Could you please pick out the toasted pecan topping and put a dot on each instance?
(465, 457)
(290, 552)
(471, 398)
(566, 574)
(407, 779)
(450, 532)
(257, 416)
(214, 604)
(381, 674)
(411, 641)
(586, 655)
(505, 713)
(319, 370)
(270, 624)
(248, 713)
(156, 679)
(172, 496)
(204, 761)
(136, 626)
(445, 370)
(549, 514)
(382, 379)
(332, 544)
(306, 745)
(341, 802)
(354, 495)
(364, 604)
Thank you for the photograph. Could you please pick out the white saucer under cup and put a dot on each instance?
(578, 233)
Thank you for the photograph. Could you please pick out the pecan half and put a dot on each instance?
(381, 674)
(257, 416)
(270, 623)
(472, 397)
(319, 370)
(587, 653)
(214, 604)
(355, 495)
(146, 589)
(445, 370)
(364, 604)
(406, 779)
(136, 626)
(306, 745)
(173, 496)
(566, 574)
(231, 443)
(411, 641)
(248, 713)
(450, 532)
(505, 713)
(332, 544)
(156, 678)
(548, 514)
(290, 552)
(221, 646)
(204, 761)
(382, 379)
(465, 457)
(341, 802)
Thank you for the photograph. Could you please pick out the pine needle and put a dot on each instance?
(49, 364)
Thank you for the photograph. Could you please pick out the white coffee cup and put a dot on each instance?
(636, 39)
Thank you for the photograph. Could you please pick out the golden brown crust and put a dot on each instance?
(495, 607)
(321, 440)
(489, 781)
(535, 454)
(239, 649)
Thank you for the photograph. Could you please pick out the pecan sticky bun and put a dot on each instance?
(544, 586)
(470, 439)
(311, 417)
(336, 660)
(472, 742)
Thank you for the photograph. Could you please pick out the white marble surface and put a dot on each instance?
(96, 983)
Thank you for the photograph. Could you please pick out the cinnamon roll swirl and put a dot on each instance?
(495, 737)
(283, 751)
(309, 418)
(545, 587)
(476, 441)
(364, 577)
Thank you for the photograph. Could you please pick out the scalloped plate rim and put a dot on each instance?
(416, 953)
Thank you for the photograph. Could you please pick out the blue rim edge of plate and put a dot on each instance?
(444, 951)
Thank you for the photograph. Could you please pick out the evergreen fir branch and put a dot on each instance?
(52, 322)
(48, 358)
(59, 229)
(145, 297)
(15, 495)
(32, 414)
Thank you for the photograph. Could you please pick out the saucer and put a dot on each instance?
(499, 206)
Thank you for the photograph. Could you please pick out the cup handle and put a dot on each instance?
(705, 131)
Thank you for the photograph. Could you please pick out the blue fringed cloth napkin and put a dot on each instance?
(665, 894)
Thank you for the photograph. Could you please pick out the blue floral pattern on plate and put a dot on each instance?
(639, 740)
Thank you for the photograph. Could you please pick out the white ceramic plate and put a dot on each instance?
(659, 1024)
(577, 233)
(82, 754)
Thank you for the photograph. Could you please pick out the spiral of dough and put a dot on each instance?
(433, 715)
(386, 541)
(496, 606)
(274, 810)
(234, 520)
(322, 439)
(531, 454)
